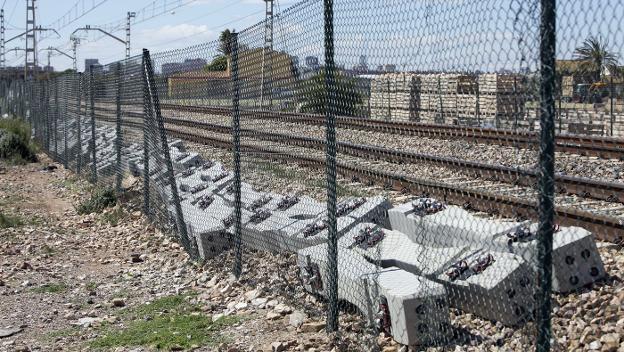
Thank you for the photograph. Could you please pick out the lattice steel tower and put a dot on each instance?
(2, 52)
(130, 16)
(30, 61)
(267, 55)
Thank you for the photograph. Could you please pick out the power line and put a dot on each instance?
(67, 19)
(105, 59)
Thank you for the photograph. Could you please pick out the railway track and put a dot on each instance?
(584, 187)
(603, 147)
(605, 227)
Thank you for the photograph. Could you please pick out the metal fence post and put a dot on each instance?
(146, 132)
(154, 104)
(56, 117)
(65, 129)
(118, 139)
(547, 179)
(612, 96)
(238, 262)
(79, 126)
(92, 106)
(330, 90)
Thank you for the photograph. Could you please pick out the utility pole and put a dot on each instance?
(75, 42)
(2, 53)
(130, 16)
(267, 69)
(30, 60)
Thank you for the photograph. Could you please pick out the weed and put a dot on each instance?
(50, 288)
(91, 286)
(47, 249)
(165, 323)
(114, 216)
(7, 221)
(100, 199)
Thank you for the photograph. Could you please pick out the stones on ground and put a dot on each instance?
(312, 327)
(282, 309)
(273, 316)
(296, 318)
(9, 332)
(136, 258)
(610, 342)
(118, 302)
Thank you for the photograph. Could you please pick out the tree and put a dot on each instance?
(219, 63)
(596, 58)
(225, 42)
(313, 96)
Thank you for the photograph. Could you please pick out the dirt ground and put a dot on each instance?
(83, 282)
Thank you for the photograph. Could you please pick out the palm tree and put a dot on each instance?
(225, 48)
(596, 58)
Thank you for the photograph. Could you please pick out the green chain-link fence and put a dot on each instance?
(435, 174)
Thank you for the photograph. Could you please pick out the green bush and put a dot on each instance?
(100, 199)
(15, 149)
(15, 143)
(17, 126)
(313, 95)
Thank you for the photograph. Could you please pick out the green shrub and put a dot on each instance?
(16, 126)
(100, 199)
(15, 143)
(7, 221)
(15, 149)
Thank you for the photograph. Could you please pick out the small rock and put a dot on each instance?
(296, 318)
(135, 258)
(595, 345)
(240, 305)
(610, 342)
(312, 326)
(118, 302)
(9, 332)
(278, 346)
(283, 309)
(273, 316)
(253, 294)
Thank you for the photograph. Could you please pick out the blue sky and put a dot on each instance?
(197, 22)
(413, 34)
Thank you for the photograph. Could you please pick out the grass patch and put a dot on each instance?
(71, 331)
(15, 143)
(163, 324)
(114, 216)
(50, 288)
(47, 249)
(91, 286)
(7, 221)
(100, 199)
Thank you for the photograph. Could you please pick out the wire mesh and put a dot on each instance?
(430, 124)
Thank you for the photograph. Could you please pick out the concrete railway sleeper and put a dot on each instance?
(607, 228)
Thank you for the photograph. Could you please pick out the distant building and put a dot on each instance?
(186, 66)
(93, 62)
(312, 62)
(390, 68)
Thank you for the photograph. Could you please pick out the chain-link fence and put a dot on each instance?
(390, 165)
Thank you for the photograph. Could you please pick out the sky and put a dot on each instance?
(459, 35)
(200, 21)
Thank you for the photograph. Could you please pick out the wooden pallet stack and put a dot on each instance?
(501, 99)
(394, 97)
(445, 97)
